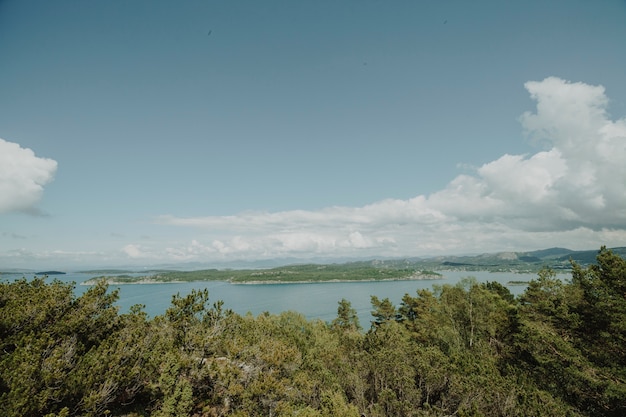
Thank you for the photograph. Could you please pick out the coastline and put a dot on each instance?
(277, 282)
(92, 281)
(147, 280)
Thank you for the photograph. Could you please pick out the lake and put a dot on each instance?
(314, 300)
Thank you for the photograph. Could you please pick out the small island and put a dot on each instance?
(50, 273)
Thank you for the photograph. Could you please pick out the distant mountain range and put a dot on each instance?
(555, 258)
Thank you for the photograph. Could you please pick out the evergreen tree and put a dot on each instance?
(347, 318)
(468, 350)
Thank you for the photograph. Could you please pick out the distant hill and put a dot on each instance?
(551, 253)
(371, 270)
(555, 258)
(589, 256)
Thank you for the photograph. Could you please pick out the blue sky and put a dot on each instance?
(148, 132)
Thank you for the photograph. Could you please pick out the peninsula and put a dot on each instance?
(291, 274)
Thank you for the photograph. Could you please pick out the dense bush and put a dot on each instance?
(467, 350)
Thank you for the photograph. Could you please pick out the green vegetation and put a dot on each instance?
(355, 271)
(471, 349)
(558, 259)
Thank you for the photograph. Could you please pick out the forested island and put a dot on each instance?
(470, 349)
(558, 259)
(353, 271)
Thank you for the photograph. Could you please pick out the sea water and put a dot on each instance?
(314, 300)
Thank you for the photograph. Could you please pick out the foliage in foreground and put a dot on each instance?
(466, 350)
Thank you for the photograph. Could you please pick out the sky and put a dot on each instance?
(139, 133)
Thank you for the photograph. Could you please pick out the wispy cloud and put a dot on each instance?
(22, 178)
(58, 259)
(12, 235)
(138, 252)
(572, 192)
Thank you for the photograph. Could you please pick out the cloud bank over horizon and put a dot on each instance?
(572, 192)
(22, 178)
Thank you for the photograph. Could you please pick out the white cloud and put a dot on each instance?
(570, 193)
(137, 252)
(22, 177)
(52, 259)
(577, 182)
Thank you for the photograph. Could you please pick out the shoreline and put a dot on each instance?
(91, 282)
(144, 281)
(276, 282)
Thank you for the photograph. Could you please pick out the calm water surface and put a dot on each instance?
(315, 300)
